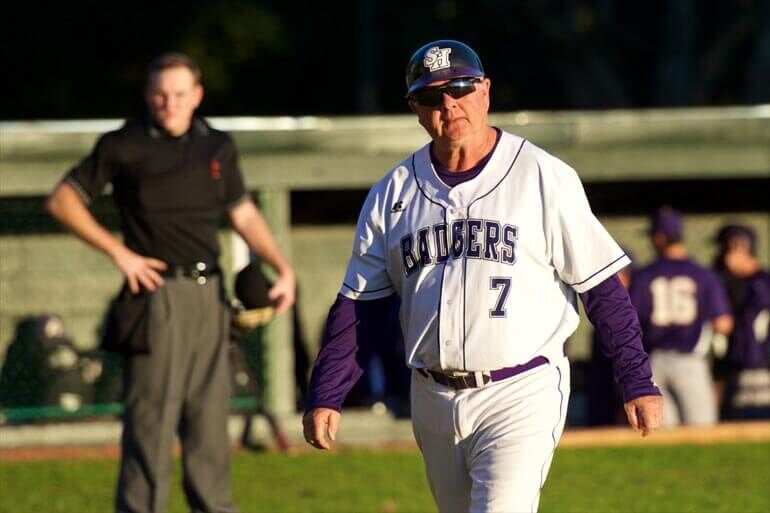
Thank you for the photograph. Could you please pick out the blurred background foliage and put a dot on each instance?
(86, 59)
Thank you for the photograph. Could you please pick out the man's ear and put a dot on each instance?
(198, 95)
(488, 84)
(659, 240)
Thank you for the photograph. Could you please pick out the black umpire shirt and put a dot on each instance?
(172, 192)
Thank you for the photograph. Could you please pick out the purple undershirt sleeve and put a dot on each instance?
(609, 309)
(353, 330)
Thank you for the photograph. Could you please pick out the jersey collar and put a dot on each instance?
(198, 126)
(497, 168)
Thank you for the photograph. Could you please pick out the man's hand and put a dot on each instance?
(67, 206)
(139, 270)
(283, 291)
(644, 413)
(317, 424)
(249, 223)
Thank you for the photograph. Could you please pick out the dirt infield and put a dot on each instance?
(724, 432)
(59, 453)
(601, 437)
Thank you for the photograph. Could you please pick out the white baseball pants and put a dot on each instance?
(489, 449)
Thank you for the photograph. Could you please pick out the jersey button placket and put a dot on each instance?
(450, 317)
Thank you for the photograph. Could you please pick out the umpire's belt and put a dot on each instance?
(479, 379)
(200, 271)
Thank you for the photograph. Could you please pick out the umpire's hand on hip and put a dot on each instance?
(140, 271)
(319, 423)
(645, 413)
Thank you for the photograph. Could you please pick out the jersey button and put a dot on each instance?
(449, 301)
(447, 342)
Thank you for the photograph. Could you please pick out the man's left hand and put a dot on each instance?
(283, 292)
(645, 413)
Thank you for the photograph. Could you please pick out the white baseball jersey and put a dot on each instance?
(487, 270)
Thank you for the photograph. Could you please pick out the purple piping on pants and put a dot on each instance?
(553, 437)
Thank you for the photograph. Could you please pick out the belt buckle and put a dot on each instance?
(462, 382)
(457, 379)
(476, 379)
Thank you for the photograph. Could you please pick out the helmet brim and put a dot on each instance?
(441, 75)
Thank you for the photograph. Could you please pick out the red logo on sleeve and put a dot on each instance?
(216, 170)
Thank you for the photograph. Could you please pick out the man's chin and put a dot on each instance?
(456, 134)
(173, 127)
(456, 128)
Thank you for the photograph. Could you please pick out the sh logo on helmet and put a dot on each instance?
(437, 58)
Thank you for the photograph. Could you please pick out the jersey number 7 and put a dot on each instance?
(504, 285)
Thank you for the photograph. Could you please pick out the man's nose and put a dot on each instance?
(447, 101)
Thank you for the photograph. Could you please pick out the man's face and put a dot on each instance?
(172, 96)
(454, 120)
(737, 256)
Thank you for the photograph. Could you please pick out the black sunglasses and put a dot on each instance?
(432, 96)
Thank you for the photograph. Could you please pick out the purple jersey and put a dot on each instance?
(749, 341)
(674, 299)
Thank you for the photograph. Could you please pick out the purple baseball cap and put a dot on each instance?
(668, 221)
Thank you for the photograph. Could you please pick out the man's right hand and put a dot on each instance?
(317, 424)
(139, 270)
(67, 206)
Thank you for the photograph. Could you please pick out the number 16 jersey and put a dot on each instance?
(487, 270)
(676, 301)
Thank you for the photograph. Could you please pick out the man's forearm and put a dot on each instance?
(67, 207)
(609, 309)
(353, 330)
(251, 225)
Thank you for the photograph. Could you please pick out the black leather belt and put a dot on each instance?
(479, 379)
(456, 382)
(199, 271)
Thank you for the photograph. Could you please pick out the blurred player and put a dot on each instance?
(679, 303)
(747, 392)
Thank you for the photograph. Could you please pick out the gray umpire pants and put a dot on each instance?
(182, 388)
(685, 381)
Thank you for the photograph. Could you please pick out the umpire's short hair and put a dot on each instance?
(174, 60)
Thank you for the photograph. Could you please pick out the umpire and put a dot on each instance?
(174, 178)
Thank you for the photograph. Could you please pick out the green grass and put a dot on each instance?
(718, 478)
(728, 478)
